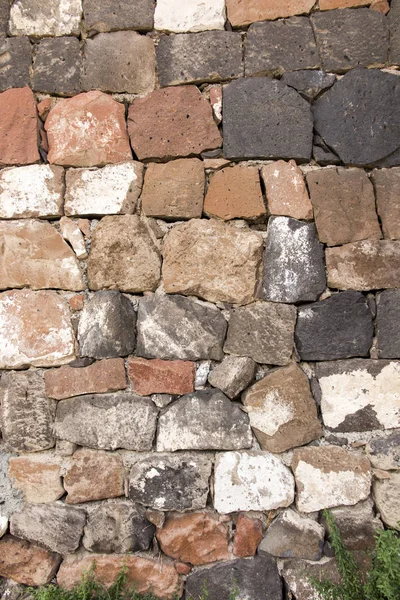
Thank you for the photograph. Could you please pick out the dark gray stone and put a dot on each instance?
(4, 15)
(174, 327)
(294, 268)
(254, 578)
(273, 47)
(171, 481)
(339, 327)
(388, 324)
(351, 38)
(57, 66)
(196, 57)
(358, 525)
(279, 124)
(353, 117)
(322, 154)
(107, 326)
(309, 83)
(394, 28)
(114, 15)
(16, 58)
(384, 451)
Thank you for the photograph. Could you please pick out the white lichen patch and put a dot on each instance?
(40, 18)
(271, 414)
(191, 15)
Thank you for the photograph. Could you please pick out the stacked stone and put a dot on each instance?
(200, 285)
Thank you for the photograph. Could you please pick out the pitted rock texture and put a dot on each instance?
(18, 128)
(57, 66)
(161, 376)
(286, 190)
(309, 83)
(240, 13)
(52, 18)
(106, 16)
(27, 563)
(387, 185)
(194, 15)
(37, 476)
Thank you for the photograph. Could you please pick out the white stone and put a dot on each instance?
(111, 190)
(72, 234)
(189, 15)
(387, 499)
(202, 371)
(31, 191)
(251, 481)
(3, 525)
(45, 17)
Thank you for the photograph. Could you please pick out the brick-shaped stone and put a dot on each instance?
(388, 324)
(50, 18)
(37, 476)
(387, 190)
(82, 480)
(233, 375)
(243, 13)
(18, 127)
(286, 190)
(16, 54)
(193, 15)
(107, 16)
(57, 66)
(161, 376)
(27, 563)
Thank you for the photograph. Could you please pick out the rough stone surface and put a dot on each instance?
(332, 4)
(248, 534)
(116, 421)
(193, 15)
(50, 18)
(27, 415)
(110, 15)
(293, 536)
(339, 196)
(339, 327)
(309, 83)
(204, 420)
(159, 127)
(233, 375)
(26, 563)
(357, 525)
(114, 189)
(56, 526)
(18, 127)
(286, 190)
(10, 497)
(386, 494)
(240, 482)
(297, 573)
(37, 476)
(73, 235)
(263, 331)
(124, 255)
(196, 538)
(107, 326)
(243, 13)
(394, 26)
(282, 410)
(121, 61)
(191, 58)
(212, 260)
(176, 328)
(359, 395)
(171, 481)
(161, 376)
(82, 481)
(350, 38)
(87, 130)
(16, 60)
(346, 117)
(235, 193)
(329, 476)
(387, 190)
(57, 66)
(383, 451)
(35, 330)
(365, 265)
(31, 191)
(174, 190)
(275, 47)
(283, 130)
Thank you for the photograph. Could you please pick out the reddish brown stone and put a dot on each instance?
(77, 302)
(84, 226)
(197, 538)
(100, 377)
(387, 190)
(87, 130)
(286, 190)
(381, 6)
(172, 122)
(235, 193)
(25, 562)
(248, 535)
(182, 568)
(83, 482)
(45, 106)
(37, 476)
(161, 376)
(245, 12)
(332, 4)
(18, 127)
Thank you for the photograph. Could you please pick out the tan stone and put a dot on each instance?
(37, 476)
(366, 265)
(35, 255)
(286, 190)
(387, 190)
(332, 4)
(197, 538)
(161, 376)
(387, 499)
(174, 190)
(103, 376)
(172, 122)
(26, 563)
(87, 130)
(83, 482)
(243, 13)
(72, 234)
(84, 226)
(282, 410)
(182, 568)
(18, 127)
(124, 255)
(145, 574)
(35, 330)
(248, 535)
(235, 193)
(215, 92)
(212, 260)
(339, 196)
(381, 6)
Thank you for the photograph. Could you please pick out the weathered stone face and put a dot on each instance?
(329, 476)
(174, 327)
(240, 482)
(18, 127)
(204, 420)
(309, 84)
(293, 261)
(17, 57)
(263, 331)
(194, 15)
(282, 410)
(359, 395)
(26, 563)
(331, 4)
(212, 260)
(248, 534)
(53, 18)
(386, 495)
(387, 191)
(240, 13)
(57, 67)
(383, 451)
(286, 190)
(103, 16)
(297, 574)
(161, 376)
(233, 375)
(37, 476)
(357, 525)
(339, 327)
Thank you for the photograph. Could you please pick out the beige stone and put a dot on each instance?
(243, 13)
(26, 563)
(72, 234)
(332, 4)
(192, 15)
(37, 476)
(387, 499)
(51, 18)
(286, 190)
(212, 260)
(387, 190)
(124, 255)
(18, 127)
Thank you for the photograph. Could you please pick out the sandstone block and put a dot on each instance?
(106, 16)
(241, 14)
(357, 525)
(50, 18)
(233, 375)
(387, 191)
(194, 15)
(161, 376)
(248, 534)
(383, 451)
(309, 83)
(18, 127)
(286, 190)
(37, 476)
(26, 563)
(387, 499)
(16, 60)
(57, 66)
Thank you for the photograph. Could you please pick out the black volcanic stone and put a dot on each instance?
(57, 67)
(394, 27)
(16, 58)
(309, 83)
(117, 15)
(388, 324)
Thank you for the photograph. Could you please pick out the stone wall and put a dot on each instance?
(200, 290)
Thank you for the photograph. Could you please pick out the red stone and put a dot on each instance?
(248, 535)
(161, 376)
(77, 301)
(25, 562)
(18, 127)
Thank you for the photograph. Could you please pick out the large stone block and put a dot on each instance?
(37, 476)
(50, 18)
(57, 66)
(193, 15)
(387, 190)
(243, 13)
(107, 16)
(18, 128)
(27, 563)
(16, 56)
(161, 376)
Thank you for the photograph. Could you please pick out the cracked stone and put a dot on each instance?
(309, 83)
(358, 525)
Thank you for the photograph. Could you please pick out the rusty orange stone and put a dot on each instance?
(76, 302)
(25, 562)
(157, 376)
(244, 12)
(37, 476)
(18, 127)
(248, 535)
